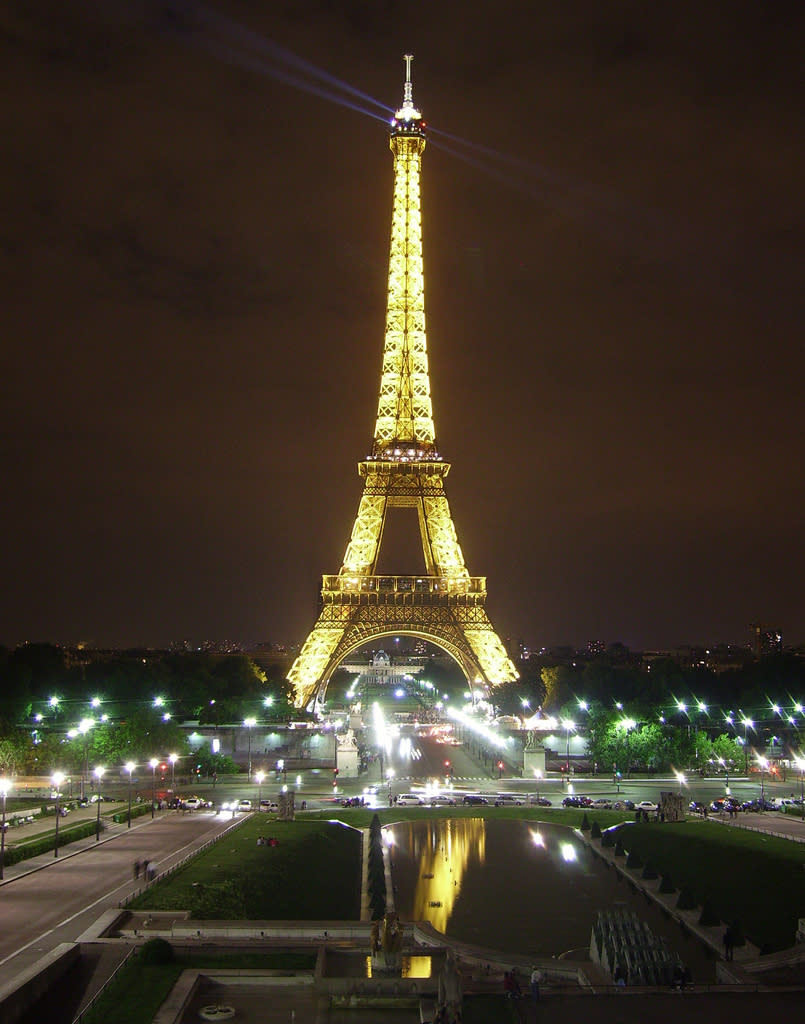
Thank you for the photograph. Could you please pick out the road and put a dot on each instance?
(65, 897)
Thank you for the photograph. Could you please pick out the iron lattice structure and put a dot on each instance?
(404, 470)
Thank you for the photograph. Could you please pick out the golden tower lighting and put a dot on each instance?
(403, 470)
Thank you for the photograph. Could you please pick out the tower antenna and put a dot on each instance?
(408, 100)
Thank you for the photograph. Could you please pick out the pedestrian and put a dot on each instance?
(151, 870)
(729, 944)
(536, 978)
(137, 867)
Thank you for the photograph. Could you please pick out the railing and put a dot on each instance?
(109, 980)
(439, 586)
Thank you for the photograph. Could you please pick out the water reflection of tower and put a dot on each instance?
(442, 865)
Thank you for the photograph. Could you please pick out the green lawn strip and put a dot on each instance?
(139, 989)
(746, 876)
(136, 993)
(313, 874)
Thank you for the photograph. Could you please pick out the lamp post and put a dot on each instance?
(5, 786)
(747, 724)
(259, 776)
(724, 765)
(98, 773)
(567, 725)
(537, 777)
(153, 762)
(801, 765)
(130, 766)
(249, 722)
(57, 778)
(173, 758)
(763, 764)
(680, 778)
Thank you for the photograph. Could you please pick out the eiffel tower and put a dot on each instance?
(404, 470)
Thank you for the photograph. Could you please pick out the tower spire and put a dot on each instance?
(407, 93)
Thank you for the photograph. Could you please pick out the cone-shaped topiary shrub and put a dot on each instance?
(619, 850)
(595, 831)
(708, 915)
(649, 871)
(667, 884)
(634, 860)
(585, 823)
(686, 901)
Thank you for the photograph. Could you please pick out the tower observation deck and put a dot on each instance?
(403, 469)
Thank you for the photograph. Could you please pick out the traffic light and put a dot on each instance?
(335, 777)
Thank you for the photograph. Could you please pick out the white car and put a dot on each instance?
(193, 803)
(244, 805)
(602, 804)
(408, 800)
(645, 805)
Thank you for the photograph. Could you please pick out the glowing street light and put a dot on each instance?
(57, 778)
(130, 766)
(249, 723)
(568, 726)
(747, 723)
(153, 762)
(173, 758)
(5, 786)
(680, 778)
(259, 776)
(763, 764)
(98, 773)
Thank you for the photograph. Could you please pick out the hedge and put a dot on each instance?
(14, 854)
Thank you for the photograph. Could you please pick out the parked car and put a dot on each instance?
(646, 805)
(577, 801)
(441, 800)
(244, 805)
(353, 801)
(271, 806)
(473, 799)
(409, 800)
(193, 803)
(540, 801)
(508, 800)
(602, 803)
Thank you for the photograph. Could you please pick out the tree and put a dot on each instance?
(557, 680)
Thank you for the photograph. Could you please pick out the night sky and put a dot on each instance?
(194, 254)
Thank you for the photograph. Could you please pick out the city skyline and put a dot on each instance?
(195, 267)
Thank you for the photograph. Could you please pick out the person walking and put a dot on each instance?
(536, 978)
(137, 867)
(729, 944)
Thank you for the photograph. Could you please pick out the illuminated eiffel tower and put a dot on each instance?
(404, 470)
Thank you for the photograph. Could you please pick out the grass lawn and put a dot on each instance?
(313, 874)
(140, 989)
(746, 876)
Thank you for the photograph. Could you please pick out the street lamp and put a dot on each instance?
(130, 766)
(153, 762)
(249, 722)
(801, 765)
(724, 765)
(680, 778)
(747, 724)
(390, 776)
(173, 758)
(568, 726)
(763, 764)
(98, 773)
(5, 786)
(57, 778)
(259, 776)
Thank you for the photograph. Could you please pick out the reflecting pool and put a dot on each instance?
(518, 886)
